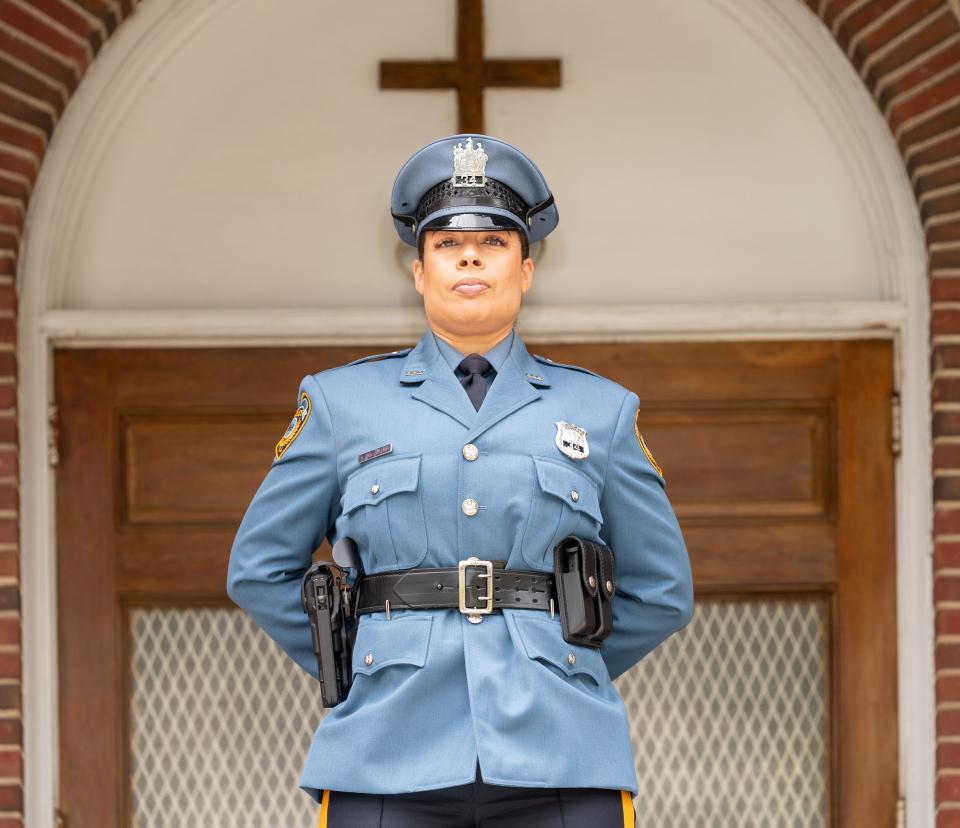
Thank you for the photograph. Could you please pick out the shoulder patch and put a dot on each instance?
(378, 357)
(300, 417)
(548, 361)
(643, 445)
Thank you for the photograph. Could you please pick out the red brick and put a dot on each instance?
(36, 28)
(946, 389)
(948, 787)
(946, 258)
(937, 28)
(945, 232)
(948, 687)
(11, 798)
(944, 488)
(947, 289)
(9, 597)
(947, 657)
(19, 136)
(946, 89)
(948, 722)
(8, 429)
(945, 588)
(948, 755)
(946, 521)
(856, 21)
(9, 565)
(946, 554)
(9, 631)
(11, 764)
(945, 819)
(947, 623)
(8, 463)
(10, 698)
(892, 26)
(945, 321)
(11, 733)
(10, 666)
(946, 456)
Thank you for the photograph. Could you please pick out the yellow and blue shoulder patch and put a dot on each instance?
(643, 445)
(300, 417)
(548, 361)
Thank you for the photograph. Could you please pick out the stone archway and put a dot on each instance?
(907, 53)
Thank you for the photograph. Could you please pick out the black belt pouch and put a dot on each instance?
(583, 571)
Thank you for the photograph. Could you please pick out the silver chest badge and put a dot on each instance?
(572, 441)
(469, 165)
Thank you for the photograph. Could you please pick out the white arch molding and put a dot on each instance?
(786, 28)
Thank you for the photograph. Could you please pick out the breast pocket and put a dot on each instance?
(565, 502)
(382, 510)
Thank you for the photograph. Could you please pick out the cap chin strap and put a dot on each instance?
(538, 208)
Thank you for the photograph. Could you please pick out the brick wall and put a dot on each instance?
(906, 51)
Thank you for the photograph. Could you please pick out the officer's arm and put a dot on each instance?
(654, 588)
(285, 522)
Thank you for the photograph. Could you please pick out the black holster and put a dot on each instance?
(326, 598)
(583, 571)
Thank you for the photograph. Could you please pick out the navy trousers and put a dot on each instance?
(479, 805)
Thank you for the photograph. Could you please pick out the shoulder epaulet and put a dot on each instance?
(378, 357)
(548, 361)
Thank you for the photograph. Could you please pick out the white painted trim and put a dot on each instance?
(792, 33)
(543, 323)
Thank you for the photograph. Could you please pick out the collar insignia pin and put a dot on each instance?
(572, 440)
(469, 165)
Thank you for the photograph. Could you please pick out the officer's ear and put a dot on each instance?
(526, 274)
(418, 275)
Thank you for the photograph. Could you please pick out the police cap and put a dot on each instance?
(471, 182)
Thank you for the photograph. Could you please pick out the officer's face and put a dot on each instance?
(472, 281)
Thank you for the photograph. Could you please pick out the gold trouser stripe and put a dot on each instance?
(324, 807)
(628, 815)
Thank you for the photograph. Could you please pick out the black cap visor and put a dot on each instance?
(473, 221)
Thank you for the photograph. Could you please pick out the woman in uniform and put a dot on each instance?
(462, 462)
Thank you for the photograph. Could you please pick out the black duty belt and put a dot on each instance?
(475, 587)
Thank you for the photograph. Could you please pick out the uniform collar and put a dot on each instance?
(426, 370)
(423, 359)
(495, 356)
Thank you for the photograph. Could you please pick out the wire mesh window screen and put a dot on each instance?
(220, 722)
(729, 720)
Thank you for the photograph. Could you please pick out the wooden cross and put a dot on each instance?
(470, 73)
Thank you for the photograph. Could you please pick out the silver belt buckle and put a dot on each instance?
(475, 614)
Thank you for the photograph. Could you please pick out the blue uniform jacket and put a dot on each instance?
(440, 692)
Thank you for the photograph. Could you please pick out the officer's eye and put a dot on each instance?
(447, 242)
(497, 240)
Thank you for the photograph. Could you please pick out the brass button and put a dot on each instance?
(592, 581)
(609, 586)
(574, 495)
(470, 452)
(368, 659)
(375, 488)
(470, 506)
(571, 659)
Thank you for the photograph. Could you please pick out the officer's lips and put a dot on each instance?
(471, 287)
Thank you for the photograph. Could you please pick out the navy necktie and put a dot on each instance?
(471, 369)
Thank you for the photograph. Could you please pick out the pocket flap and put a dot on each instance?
(543, 639)
(561, 481)
(404, 639)
(380, 480)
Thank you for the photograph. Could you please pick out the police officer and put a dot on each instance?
(467, 446)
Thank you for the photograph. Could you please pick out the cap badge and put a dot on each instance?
(469, 165)
(572, 440)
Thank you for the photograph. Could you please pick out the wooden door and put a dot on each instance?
(777, 458)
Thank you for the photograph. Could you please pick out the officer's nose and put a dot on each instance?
(470, 256)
